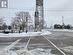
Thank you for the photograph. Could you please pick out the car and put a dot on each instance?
(6, 31)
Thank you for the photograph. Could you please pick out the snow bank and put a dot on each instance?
(38, 51)
(24, 34)
(65, 30)
(68, 49)
(20, 34)
(45, 32)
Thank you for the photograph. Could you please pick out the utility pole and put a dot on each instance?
(26, 24)
(63, 22)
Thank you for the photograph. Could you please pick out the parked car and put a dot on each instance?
(7, 31)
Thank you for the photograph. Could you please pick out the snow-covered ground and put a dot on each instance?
(66, 30)
(24, 34)
(38, 51)
(68, 49)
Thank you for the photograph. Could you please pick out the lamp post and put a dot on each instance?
(63, 22)
(26, 24)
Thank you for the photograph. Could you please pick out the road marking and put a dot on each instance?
(55, 46)
(12, 45)
(27, 43)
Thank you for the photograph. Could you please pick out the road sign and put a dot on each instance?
(3, 3)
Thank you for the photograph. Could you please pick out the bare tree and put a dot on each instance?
(4, 26)
(21, 20)
(1, 23)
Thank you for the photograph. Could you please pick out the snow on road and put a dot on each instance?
(38, 51)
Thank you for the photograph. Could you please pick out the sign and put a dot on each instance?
(3, 3)
(39, 2)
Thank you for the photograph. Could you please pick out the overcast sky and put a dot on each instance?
(53, 10)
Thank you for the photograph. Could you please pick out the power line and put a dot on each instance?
(34, 9)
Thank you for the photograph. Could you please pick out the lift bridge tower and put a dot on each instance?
(39, 15)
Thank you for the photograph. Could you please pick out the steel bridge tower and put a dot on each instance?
(39, 15)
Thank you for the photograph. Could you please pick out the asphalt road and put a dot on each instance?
(62, 39)
(59, 38)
